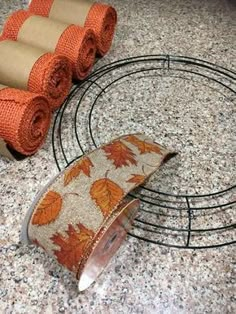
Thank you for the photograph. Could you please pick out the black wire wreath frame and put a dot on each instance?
(157, 199)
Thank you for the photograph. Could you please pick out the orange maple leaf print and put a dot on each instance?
(48, 209)
(120, 154)
(107, 194)
(83, 165)
(137, 179)
(143, 146)
(73, 246)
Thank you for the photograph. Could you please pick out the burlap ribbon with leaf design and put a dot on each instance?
(79, 203)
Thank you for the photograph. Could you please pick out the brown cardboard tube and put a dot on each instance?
(75, 12)
(36, 31)
(4, 151)
(9, 152)
(76, 43)
(2, 86)
(99, 17)
(16, 63)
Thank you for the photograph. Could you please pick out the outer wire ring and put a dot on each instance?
(158, 199)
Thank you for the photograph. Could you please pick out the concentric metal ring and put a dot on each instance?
(171, 219)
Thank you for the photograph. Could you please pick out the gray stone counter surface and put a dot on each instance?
(143, 277)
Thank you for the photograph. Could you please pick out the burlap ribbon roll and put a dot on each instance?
(101, 18)
(24, 119)
(82, 215)
(28, 68)
(74, 42)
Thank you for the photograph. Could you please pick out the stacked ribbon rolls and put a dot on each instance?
(24, 119)
(71, 217)
(101, 18)
(76, 43)
(28, 68)
(41, 51)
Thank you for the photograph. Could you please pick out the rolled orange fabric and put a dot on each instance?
(101, 18)
(24, 119)
(28, 68)
(76, 43)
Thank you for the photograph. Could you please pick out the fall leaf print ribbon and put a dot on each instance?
(71, 215)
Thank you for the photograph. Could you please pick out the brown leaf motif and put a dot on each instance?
(137, 179)
(36, 242)
(48, 209)
(72, 246)
(143, 146)
(107, 194)
(120, 154)
(83, 165)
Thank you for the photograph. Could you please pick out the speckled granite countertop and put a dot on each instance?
(142, 278)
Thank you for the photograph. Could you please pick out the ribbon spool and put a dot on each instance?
(29, 68)
(76, 43)
(82, 216)
(24, 122)
(99, 17)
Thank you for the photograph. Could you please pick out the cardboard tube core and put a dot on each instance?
(4, 151)
(2, 86)
(16, 63)
(71, 11)
(41, 32)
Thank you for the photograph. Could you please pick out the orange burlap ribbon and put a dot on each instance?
(50, 75)
(101, 18)
(76, 43)
(24, 119)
